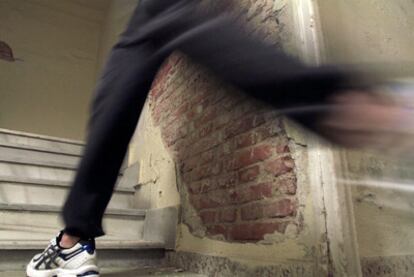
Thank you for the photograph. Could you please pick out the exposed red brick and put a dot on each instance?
(224, 143)
(243, 125)
(228, 215)
(189, 164)
(260, 191)
(182, 131)
(205, 171)
(180, 111)
(249, 174)
(207, 185)
(252, 211)
(208, 217)
(283, 148)
(230, 101)
(206, 130)
(201, 202)
(194, 187)
(282, 208)
(187, 177)
(262, 152)
(280, 166)
(161, 75)
(255, 231)
(205, 143)
(206, 157)
(227, 149)
(207, 116)
(221, 121)
(251, 193)
(217, 230)
(245, 140)
(251, 156)
(229, 180)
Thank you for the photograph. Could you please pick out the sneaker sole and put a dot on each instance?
(87, 271)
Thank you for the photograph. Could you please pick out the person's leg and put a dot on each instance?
(119, 98)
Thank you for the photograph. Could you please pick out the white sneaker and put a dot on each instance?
(78, 261)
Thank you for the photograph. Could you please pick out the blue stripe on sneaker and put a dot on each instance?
(88, 273)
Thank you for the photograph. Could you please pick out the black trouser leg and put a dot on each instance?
(157, 28)
(120, 96)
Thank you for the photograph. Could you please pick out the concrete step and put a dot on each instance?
(53, 171)
(128, 272)
(33, 161)
(76, 152)
(35, 157)
(26, 148)
(21, 190)
(41, 222)
(40, 141)
(110, 255)
(33, 171)
(101, 244)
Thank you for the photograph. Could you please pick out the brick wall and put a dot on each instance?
(232, 153)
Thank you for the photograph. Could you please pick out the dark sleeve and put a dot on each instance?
(216, 41)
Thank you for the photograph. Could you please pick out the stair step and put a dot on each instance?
(41, 222)
(101, 244)
(36, 172)
(22, 190)
(35, 140)
(51, 183)
(53, 209)
(17, 259)
(30, 161)
(38, 169)
(51, 150)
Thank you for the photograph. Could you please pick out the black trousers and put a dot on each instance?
(157, 28)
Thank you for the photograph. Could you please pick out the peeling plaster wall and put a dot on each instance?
(378, 31)
(305, 251)
(157, 176)
(303, 248)
(48, 91)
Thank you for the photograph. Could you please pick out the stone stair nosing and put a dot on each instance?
(50, 150)
(36, 221)
(49, 164)
(56, 209)
(41, 137)
(102, 244)
(43, 164)
(52, 183)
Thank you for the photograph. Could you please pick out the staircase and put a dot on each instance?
(35, 175)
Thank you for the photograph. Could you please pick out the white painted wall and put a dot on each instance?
(377, 31)
(116, 18)
(49, 91)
